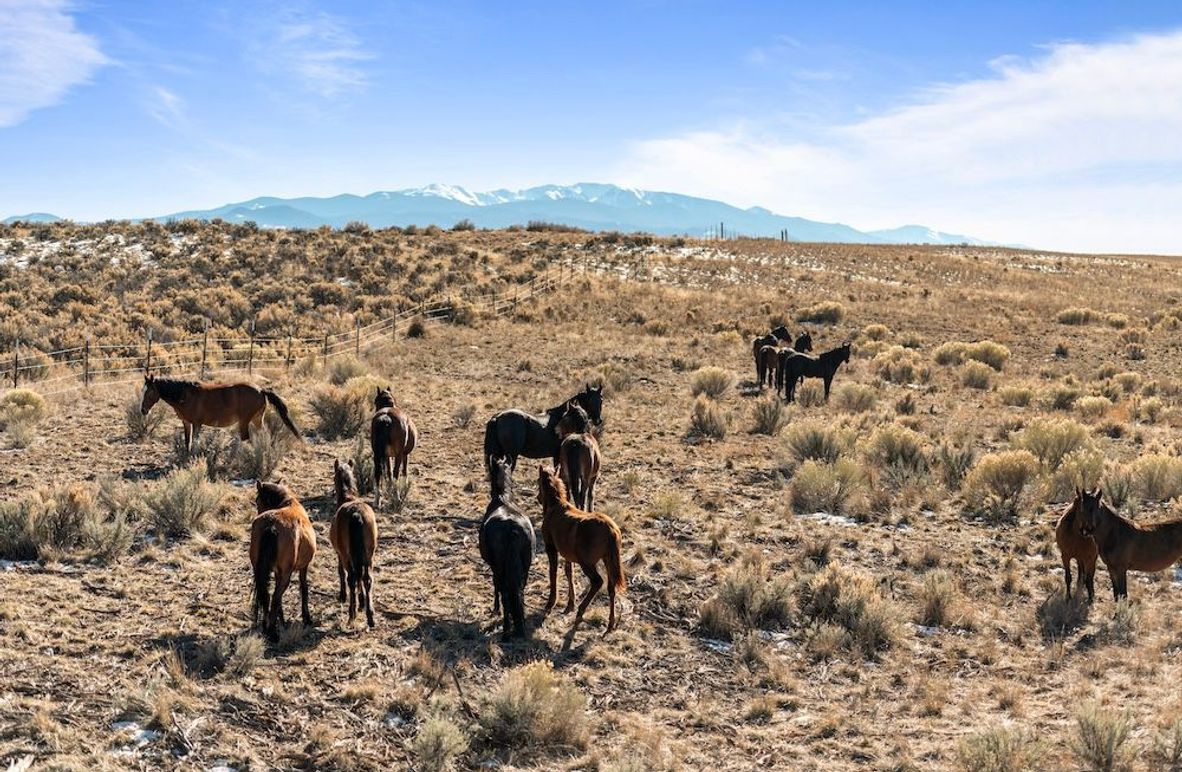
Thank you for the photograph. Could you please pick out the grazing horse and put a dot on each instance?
(765, 366)
(507, 545)
(354, 535)
(1073, 545)
(578, 466)
(512, 433)
(214, 404)
(281, 542)
(392, 436)
(796, 367)
(1125, 545)
(581, 537)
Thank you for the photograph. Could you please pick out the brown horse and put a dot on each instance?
(582, 537)
(354, 536)
(1126, 546)
(765, 365)
(214, 404)
(1073, 545)
(578, 466)
(281, 542)
(393, 436)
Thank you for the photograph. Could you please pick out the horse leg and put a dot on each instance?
(341, 577)
(1089, 581)
(591, 495)
(244, 431)
(275, 616)
(367, 582)
(1067, 575)
(828, 383)
(611, 616)
(552, 556)
(570, 588)
(1118, 583)
(352, 597)
(596, 582)
(188, 436)
(496, 594)
(304, 612)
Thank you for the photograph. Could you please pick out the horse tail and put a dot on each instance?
(380, 442)
(281, 409)
(515, 568)
(263, 568)
(615, 569)
(357, 556)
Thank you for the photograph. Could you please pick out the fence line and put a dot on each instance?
(205, 355)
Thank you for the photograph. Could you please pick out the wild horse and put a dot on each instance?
(512, 433)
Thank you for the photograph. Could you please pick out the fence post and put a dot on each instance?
(325, 356)
(86, 363)
(394, 324)
(204, 351)
(357, 340)
(148, 359)
(287, 361)
(16, 362)
(250, 351)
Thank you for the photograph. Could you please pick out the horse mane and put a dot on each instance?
(832, 353)
(556, 489)
(172, 389)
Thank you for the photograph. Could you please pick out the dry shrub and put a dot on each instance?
(345, 368)
(615, 378)
(900, 365)
(534, 707)
(950, 353)
(1125, 624)
(342, 411)
(1165, 753)
(825, 487)
(67, 519)
(810, 394)
(750, 597)
(707, 419)
(711, 381)
(895, 447)
(1083, 468)
(141, 427)
(768, 416)
(853, 603)
(438, 743)
(1100, 736)
(938, 598)
(183, 503)
(1015, 396)
(1092, 408)
(986, 351)
(1157, 477)
(462, 415)
(1076, 316)
(21, 410)
(976, 375)
(815, 440)
(417, 328)
(855, 397)
(996, 484)
(876, 332)
(1150, 410)
(1061, 396)
(1000, 749)
(825, 312)
(1128, 381)
(1052, 439)
(1116, 321)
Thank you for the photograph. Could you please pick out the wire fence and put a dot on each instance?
(59, 372)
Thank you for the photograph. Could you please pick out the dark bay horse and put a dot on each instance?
(1125, 545)
(1074, 546)
(512, 433)
(353, 534)
(281, 542)
(214, 404)
(773, 338)
(765, 366)
(392, 436)
(580, 537)
(796, 367)
(507, 544)
(803, 344)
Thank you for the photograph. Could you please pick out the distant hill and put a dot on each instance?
(31, 217)
(591, 206)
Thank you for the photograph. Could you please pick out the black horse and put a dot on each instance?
(773, 338)
(797, 367)
(512, 433)
(803, 344)
(507, 544)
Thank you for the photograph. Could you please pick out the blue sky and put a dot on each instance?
(1053, 124)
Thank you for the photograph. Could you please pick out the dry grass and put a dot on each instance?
(733, 596)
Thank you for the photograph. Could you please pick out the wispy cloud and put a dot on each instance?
(166, 106)
(1074, 148)
(42, 55)
(317, 49)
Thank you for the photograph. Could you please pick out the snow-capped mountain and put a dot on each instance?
(592, 206)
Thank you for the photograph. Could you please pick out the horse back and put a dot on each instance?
(1153, 547)
(297, 539)
(222, 404)
(353, 514)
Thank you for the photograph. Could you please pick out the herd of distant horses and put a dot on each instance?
(283, 540)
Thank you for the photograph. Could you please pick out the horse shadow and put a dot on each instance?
(142, 472)
(452, 642)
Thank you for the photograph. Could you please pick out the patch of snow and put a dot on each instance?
(12, 565)
(719, 647)
(137, 734)
(394, 721)
(222, 765)
(926, 631)
(825, 517)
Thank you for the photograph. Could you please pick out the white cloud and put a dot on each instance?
(1078, 148)
(42, 54)
(318, 49)
(166, 106)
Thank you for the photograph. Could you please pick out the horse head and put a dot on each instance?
(271, 495)
(575, 419)
(1089, 511)
(781, 333)
(591, 398)
(845, 351)
(344, 479)
(150, 395)
(804, 342)
(500, 477)
(550, 487)
(383, 398)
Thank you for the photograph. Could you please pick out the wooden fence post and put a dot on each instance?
(148, 359)
(86, 363)
(357, 341)
(287, 361)
(16, 362)
(204, 351)
(394, 324)
(250, 351)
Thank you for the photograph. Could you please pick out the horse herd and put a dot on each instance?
(283, 540)
(782, 366)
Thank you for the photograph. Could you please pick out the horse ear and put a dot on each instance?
(258, 485)
(336, 464)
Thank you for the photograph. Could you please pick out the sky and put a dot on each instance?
(1050, 124)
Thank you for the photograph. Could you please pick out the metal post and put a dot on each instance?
(250, 351)
(86, 363)
(204, 351)
(287, 361)
(325, 355)
(148, 362)
(357, 341)
(16, 362)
